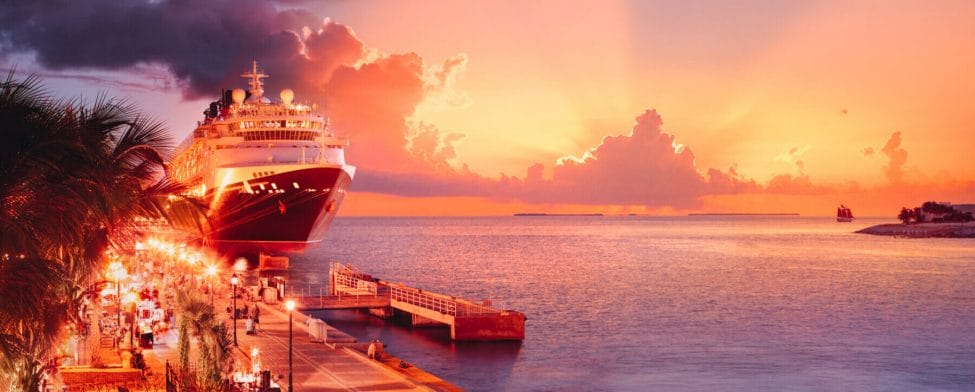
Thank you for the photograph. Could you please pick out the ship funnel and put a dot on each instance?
(238, 95)
(287, 95)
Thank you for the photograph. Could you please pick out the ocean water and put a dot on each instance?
(681, 303)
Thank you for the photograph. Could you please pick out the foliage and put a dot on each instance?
(214, 343)
(905, 215)
(939, 213)
(183, 344)
(931, 207)
(72, 178)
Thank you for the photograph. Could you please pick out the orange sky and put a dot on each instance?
(739, 85)
(772, 88)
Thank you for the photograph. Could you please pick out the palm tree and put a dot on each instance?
(214, 344)
(72, 178)
(905, 215)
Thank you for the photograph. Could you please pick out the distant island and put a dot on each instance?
(931, 219)
(743, 214)
(923, 230)
(546, 214)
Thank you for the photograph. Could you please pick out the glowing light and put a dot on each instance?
(295, 184)
(240, 264)
(290, 305)
(211, 270)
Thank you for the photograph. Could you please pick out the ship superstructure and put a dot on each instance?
(272, 173)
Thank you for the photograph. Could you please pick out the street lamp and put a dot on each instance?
(290, 305)
(117, 272)
(130, 300)
(118, 300)
(234, 281)
(211, 272)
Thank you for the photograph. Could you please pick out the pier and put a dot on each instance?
(468, 320)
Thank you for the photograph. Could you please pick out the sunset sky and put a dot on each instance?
(490, 108)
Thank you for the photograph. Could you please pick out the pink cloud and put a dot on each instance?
(896, 156)
(429, 144)
(646, 167)
(794, 185)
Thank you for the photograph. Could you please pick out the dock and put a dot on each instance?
(468, 320)
(326, 367)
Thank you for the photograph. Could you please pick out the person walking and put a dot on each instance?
(257, 318)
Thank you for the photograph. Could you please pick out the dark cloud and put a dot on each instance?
(198, 40)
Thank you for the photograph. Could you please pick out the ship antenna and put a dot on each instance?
(257, 88)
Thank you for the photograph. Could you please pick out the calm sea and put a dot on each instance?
(685, 303)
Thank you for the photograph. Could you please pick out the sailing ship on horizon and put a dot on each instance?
(844, 214)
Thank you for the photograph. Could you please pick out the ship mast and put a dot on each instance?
(255, 76)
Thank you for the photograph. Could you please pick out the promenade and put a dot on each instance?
(161, 271)
(318, 367)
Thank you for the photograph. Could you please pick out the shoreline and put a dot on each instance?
(923, 230)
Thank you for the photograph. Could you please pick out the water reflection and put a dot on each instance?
(674, 303)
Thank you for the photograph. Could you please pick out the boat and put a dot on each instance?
(844, 214)
(271, 172)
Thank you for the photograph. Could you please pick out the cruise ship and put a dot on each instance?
(271, 172)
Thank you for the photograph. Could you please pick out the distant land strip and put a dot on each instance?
(544, 214)
(743, 214)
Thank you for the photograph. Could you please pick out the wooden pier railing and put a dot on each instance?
(468, 320)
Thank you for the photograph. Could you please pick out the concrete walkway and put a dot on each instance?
(317, 367)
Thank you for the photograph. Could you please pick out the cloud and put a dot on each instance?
(198, 41)
(372, 104)
(367, 95)
(788, 184)
(896, 156)
(645, 167)
(429, 144)
(793, 157)
(372, 97)
(441, 82)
